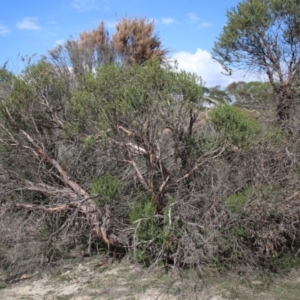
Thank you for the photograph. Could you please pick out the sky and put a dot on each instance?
(187, 28)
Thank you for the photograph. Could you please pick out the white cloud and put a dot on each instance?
(4, 30)
(205, 24)
(83, 5)
(28, 24)
(193, 17)
(168, 21)
(202, 64)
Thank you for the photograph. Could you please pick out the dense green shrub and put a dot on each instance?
(142, 216)
(148, 230)
(237, 128)
(154, 234)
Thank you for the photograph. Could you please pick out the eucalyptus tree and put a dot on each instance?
(263, 36)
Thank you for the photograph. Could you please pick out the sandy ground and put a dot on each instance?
(99, 278)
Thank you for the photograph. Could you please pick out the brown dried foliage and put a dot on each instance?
(136, 42)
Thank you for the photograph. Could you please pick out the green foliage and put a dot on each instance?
(265, 193)
(3, 285)
(199, 145)
(253, 95)
(142, 217)
(237, 42)
(78, 101)
(190, 86)
(131, 93)
(272, 135)
(297, 170)
(148, 232)
(108, 187)
(243, 232)
(236, 202)
(262, 36)
(6, 85)
(284, 263)
(236, 127)
(19, 101)
(153, 233)
(230, 252)
(70, 129)
(36, 93)
(6, 79)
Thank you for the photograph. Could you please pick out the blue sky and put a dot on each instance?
(188, 28)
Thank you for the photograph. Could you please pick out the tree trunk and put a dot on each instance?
(284, 109)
